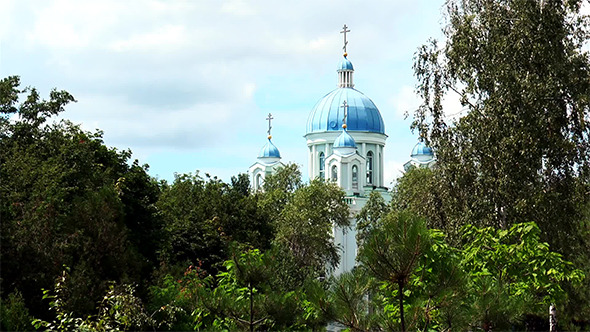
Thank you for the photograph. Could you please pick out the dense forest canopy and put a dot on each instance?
(486, 240)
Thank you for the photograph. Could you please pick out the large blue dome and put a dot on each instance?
(363, 115)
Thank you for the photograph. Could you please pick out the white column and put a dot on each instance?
(313, 163)
(383, 167)
(379, 167)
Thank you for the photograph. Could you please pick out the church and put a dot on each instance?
(345, 136)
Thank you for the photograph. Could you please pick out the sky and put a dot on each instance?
(187, 85)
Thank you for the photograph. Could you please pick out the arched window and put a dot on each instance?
(355, 177)
(322, 166)
(370, 167)
(334, 173)
(258, 182)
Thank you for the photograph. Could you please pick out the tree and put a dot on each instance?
(242, 296)
(305, 225)
(418, 190)
(370, 216)
(203, 216)
(512, 273)
(279, 189)
(521, 150)
(392, 252)
(64, 200)
(344, 299)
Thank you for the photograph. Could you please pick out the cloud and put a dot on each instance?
(166, 38)
(452, 107)
(201, 76)
(393, 170)
(405, 102)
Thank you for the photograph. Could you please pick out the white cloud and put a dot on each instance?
(248, 90)
(405, 102)
(239, 8)
(195, 75)
(166, 38)
(72, 24)
(452, 106)
(393, 170)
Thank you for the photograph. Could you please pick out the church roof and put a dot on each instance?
(345, 64)
(269, 150)
(421, 149)
(344, 141)
(363, 115)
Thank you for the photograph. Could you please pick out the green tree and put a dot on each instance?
(521, 149)
(418, 190)
(370, 216)
(241, 297)
(279, 189)
(512, 273)
(305, 225)
(14, 315)
(393, 251)
(66, 198)
(203, 216)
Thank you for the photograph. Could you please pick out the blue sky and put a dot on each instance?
(187, 85)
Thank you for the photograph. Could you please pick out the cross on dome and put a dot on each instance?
(269, 118)
(345, 106)
(344, 31)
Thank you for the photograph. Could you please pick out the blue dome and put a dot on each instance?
(363, 115)
(345, 64)
(269, 150)
(344, 141)
(421, 149)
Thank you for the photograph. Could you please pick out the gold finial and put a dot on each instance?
(269, 136)
(345, 55)
(345, 106)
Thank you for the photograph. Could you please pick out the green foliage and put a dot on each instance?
(65, 198)
(243, 297)
(202, 216)
(512, 272)
(370, 216)
(279, 189)
(14, 315)
(305, 224)
(522, 151)
(346, 300)
(495, 279)
(418, 191)
(119, 310)
(392, 252)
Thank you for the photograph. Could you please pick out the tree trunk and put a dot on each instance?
(251, 309)
(552, 318)
(401, 306)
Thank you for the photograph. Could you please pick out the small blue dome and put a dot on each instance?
(344, 141)
(421, 149)
(345, 64)
(269, 150)
(327, 114)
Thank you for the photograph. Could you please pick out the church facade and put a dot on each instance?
(345, 136)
